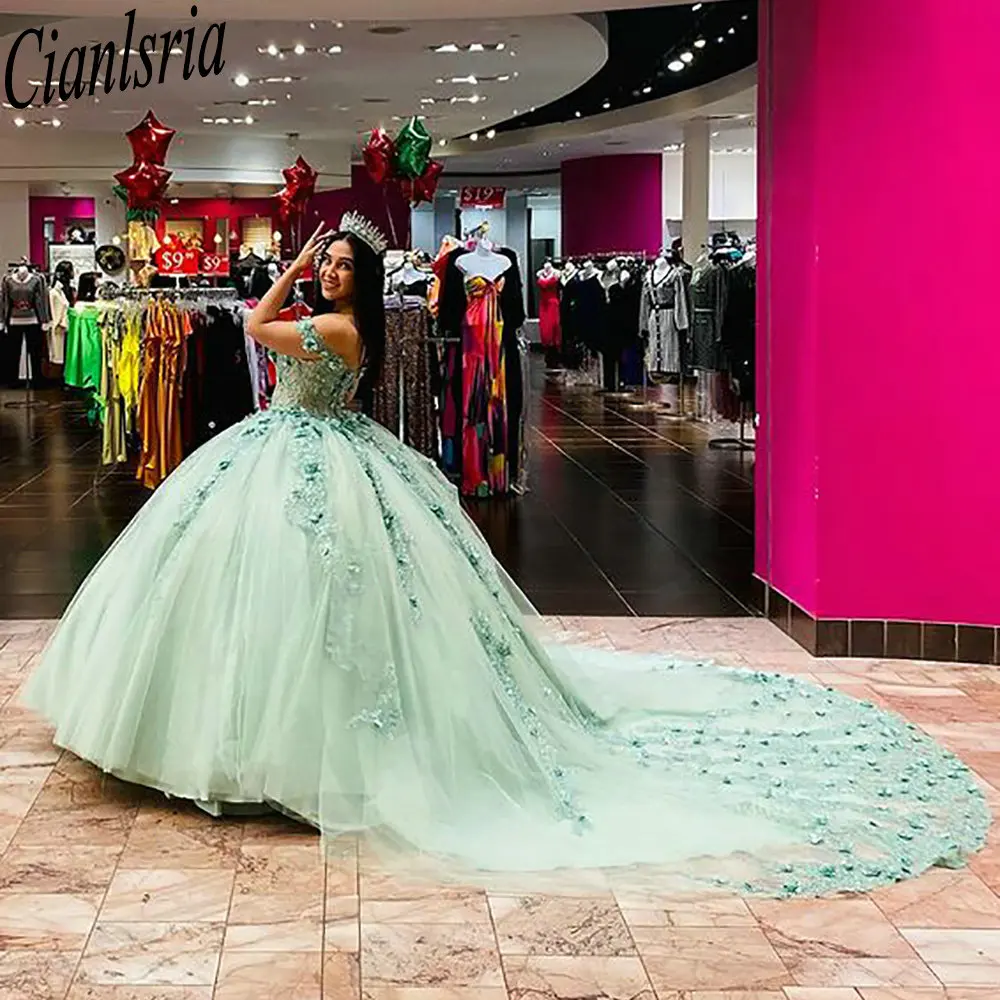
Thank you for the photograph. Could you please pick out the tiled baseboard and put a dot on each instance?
(938, 641)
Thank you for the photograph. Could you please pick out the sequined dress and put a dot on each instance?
(303, 616)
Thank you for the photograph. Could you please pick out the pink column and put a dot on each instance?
(612, 203)
(878, 470)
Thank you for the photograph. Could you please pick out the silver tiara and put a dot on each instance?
(358, 225)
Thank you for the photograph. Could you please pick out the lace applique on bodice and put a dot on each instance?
(324, 387)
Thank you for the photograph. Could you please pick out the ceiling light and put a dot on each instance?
(687, 57)
(442, 142)
(117, 240)
(465, 79)
(606, 105)
(36, 83)
(175, 201)
(19, 122)
(56, 123)
(450, 47)
(700, 44)
(272, 49)
(241, 80)
(477, 47)
(577, 114)
(426, 100)
(492, 134)
(647, 90)
(248, 120)
(474, 137)
(720, 39)
(745, 17)
(334, 50)
(715, 135)
(300, 49)
(177, 51)
(338, 24)
(288, 97)
(207, 121)
(676, 66)
(697, 7)
(221, 121)
(217, 238)
(732, 31)
(475, 99)
(312, 25)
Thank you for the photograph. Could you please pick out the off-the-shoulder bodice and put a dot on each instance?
(324, 386)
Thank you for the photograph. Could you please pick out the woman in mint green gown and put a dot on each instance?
(303, 616)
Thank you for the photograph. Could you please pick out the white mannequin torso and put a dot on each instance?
(483, 262)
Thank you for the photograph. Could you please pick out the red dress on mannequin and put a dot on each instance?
(548, 311)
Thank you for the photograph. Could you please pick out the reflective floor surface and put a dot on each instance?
(628, 513)
(108, 892)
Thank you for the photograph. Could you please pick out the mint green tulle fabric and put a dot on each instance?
(304, 616)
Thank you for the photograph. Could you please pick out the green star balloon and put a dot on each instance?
(413, 149)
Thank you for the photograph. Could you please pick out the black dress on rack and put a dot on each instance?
(623, 327)
(451, 313)
(739, 329)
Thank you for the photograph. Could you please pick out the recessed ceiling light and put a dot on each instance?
(36, 83)
(720, 38)
(426, 100)
(176, 51)
(676, 66)
(19, 122)
(221, 121)
(300, 49)
(477, 47)
(745, 17)
(442, 142)
(450, 47)
(56, 123)
(700, 44)
(475, 99)
(272, 49)
(606, 105)
(312, 25)
(248, 120)
(207, 121)
(687, 57)
(288, 97)
(647, 90)
(697, 7)
(338, 24)
(577, 114)
(334, 50)
(241, 80)
(732, 31)
(492, 134)
(471, 80)
(474, 137)
(175, 201)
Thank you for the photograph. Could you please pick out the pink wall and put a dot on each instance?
(612, 203)
(58, 208)
(879, 354)
(213, 209)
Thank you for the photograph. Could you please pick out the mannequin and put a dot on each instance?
(25, 313)
(568, 272)
(548, 270)
(483, 262)
(589, 270)
(610, 275)
(549, 323)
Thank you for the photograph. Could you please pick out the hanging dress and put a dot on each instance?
(484, 391)
(548, 310)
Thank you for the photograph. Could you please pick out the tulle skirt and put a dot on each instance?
(303, 616)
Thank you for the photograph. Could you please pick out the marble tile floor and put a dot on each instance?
(111, 893)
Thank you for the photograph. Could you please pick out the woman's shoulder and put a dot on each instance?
(337, 333)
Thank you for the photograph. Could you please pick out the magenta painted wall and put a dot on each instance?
(878, 470)
(58, 208)
(612, 203)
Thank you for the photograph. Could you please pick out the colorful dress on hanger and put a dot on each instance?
(303, 616)
(484, 391)
(549, 323)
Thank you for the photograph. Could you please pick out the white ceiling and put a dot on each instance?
(376, 76)
(400, 11)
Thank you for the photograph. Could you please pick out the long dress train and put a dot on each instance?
(302, 615)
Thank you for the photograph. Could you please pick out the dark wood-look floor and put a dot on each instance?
(627, 513)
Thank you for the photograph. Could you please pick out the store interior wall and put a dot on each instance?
(14, 232)
(876, 471)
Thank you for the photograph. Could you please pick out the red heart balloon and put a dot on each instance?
(426, 185)
(151, 139)
(379, 153)
(145, 182)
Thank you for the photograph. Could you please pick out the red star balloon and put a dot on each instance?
(426, 185)
(146, 184)
(151, 139)
(379, 154)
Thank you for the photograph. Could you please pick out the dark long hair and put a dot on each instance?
(369, 305)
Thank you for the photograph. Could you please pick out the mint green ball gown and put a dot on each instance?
(303, 616)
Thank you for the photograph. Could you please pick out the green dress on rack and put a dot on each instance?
(303, 616)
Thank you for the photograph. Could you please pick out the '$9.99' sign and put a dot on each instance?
(173, 261)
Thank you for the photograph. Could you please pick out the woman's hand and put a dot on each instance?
(308, 252)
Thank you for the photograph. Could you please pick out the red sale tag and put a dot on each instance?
(172, 261)
(214, 264)
(482, 197)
